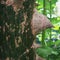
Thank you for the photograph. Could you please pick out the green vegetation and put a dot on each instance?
(50, 49)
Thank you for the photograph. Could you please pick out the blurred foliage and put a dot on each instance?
(45, 51)
(52, 44)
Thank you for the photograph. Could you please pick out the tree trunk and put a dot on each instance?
(16, 44)
(19, 24)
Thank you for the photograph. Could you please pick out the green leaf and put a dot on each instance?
(45, 52)
(57, 42)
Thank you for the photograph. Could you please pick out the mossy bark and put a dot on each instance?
(15, 45)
